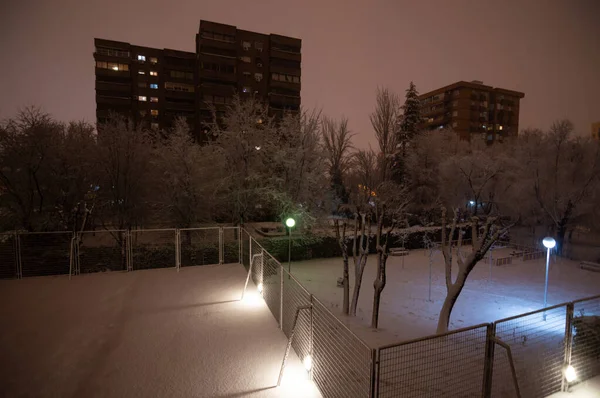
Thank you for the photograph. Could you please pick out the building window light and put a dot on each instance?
(153, 60)
(141, 58)
(153, 73)
(141, 72)
(154, 112)
(153, 99)
(142, 98)
(500, 128)
(154, 86)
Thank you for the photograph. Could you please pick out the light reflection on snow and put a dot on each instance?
(296, 382)
(252, 299)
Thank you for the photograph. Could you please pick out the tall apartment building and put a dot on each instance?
(596, 131)
(473, 110)
(154, 86)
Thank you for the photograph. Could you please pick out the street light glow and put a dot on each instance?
(260, 288)
(308, 362)
(570, 374)
(472, 202)
(549, 243)
(290, 222)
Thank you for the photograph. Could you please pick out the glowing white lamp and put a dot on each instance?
(307, 362)
(290, 222)
(260, 288)
(570, 374)
(549, 243)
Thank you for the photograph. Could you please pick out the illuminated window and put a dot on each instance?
(112, 66)
(141, 58)
(245, 59)
(154, 126)
(153, 99)
(154, 86)
(141, 72)
(154, 112)
(500, 128)
(246, 90)
(153, 73)
(142, 98)
(153, 60)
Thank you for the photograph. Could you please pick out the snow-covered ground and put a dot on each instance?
(406, 311)
(586, 389)
(154, 333)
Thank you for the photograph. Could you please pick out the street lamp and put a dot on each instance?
(290, 222)
(549, 243)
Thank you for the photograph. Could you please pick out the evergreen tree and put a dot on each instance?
(411, 118)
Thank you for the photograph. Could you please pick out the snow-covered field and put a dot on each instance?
(154, 333)
(406, 311)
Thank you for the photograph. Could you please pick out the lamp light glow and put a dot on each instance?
(549, 243)
(570, 374)
(290, 222)
(472, 202)
(307, 362)
(260, 288)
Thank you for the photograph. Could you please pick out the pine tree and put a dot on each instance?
(408, 128)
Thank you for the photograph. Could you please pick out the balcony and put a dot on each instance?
(112, 73)
(285, 85)
(183, 106)
(284, 101)
(180, 95)
(220, 76)
(124, 88)
(116, 101)
(283, 54)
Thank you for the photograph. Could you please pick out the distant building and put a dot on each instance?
(596, 131)
(153, 86)
(473, 110)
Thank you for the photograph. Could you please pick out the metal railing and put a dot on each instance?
(25, 254)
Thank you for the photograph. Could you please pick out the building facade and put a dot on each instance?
(596, 131)
(154, 86)
(473, 110)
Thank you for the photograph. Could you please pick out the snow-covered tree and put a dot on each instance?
(410, 120)
(384, 120)
(484, 234)
(337, 143)
(560, 174)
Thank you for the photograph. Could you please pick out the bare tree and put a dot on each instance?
(340, 233)
(337, 142)
(560, 173)
(385, 122)
(483, 236)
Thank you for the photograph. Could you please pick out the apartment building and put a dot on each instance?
(596, 131)
(473, 110)
(154, 86)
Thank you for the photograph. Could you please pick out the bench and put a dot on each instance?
(589, 266)
(504, 260)
(398, 251)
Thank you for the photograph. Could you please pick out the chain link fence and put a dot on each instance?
(537, 341)
(342, 363)
(45, 253)
(447, 365)
(101, 251)
(153, 248)
(585, 349)
(199, 246)
(9, 263)
(231, 245)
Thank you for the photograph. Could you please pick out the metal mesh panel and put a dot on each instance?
(245, 249)
(8, 256)
(256, 257)
(342, 363)
(45, 253)
(537, 341)
(585, 351)
(231, 245)
(101, 251)
(153, 248)
(199, 246)
(449, 365)
(295, 296)
(271, 284)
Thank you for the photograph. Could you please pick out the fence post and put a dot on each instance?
(311, 342)
(374, 372)
(177, 249)
(19, 266)
(128, 250)
(281, 297)
(221, 245)
(250, 248)
(568, 343)
(240, 260)
(488, 369)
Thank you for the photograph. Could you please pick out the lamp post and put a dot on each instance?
(290, 222)
(549, 243)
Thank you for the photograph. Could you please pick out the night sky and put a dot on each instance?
(548, 49)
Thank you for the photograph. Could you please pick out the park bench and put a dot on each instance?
(398, 251)
(590, 266)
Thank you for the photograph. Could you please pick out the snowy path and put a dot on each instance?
(155, 333)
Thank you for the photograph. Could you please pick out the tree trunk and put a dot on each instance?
(357, 282)
(561, 231)
(378, 285)
(451, 297)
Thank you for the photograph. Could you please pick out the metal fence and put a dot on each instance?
(25, 254)
(447, 365)
(584, 355)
